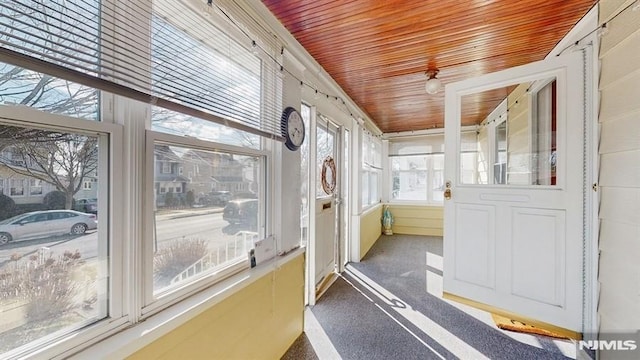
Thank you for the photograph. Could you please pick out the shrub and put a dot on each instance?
(7, 207)
(191, 198)
(179, 255)
(169, 199)
(55, 200)
(47, 288)
(25, 208)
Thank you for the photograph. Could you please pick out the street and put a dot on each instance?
(208, 227)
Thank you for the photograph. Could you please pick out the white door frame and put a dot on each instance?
(339, 132)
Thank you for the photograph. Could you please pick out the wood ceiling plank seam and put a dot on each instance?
(419, 67)
(443, 11)
(472, 21)
(340, 48)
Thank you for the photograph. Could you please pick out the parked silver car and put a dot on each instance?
(39, 224)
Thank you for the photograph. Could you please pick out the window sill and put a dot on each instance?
(370, 208)
(414, 203)
(128, 341)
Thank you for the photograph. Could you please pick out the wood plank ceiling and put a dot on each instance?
(379, 50)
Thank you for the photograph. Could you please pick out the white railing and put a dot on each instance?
(238, 246)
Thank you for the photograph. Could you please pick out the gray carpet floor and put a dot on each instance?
(363, 324)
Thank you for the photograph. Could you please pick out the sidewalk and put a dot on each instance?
(168, 214)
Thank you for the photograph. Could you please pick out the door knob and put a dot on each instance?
(447, 194)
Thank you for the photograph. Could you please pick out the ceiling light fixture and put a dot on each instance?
(433, 84)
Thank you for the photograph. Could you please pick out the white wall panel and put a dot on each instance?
(538, 241)
(475, 241)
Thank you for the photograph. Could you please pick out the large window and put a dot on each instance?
(204, 226)
(371, 169)
(417, 169)
(53, 278)
(96, 236)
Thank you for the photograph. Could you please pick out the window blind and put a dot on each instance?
(418, 145)
(176, 54)
(371, 151)
(429, 144)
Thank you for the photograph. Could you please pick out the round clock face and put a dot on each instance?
(293, 127)
(296, 129)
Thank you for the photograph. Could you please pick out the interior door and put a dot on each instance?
(328, 140)
(513, 237)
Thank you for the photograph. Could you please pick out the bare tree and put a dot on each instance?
(60, 159)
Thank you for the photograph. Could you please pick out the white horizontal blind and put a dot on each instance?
(422, 145)
(429, 144)
(168, 53)
(371, 150)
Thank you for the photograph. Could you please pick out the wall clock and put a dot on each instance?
(292, 128)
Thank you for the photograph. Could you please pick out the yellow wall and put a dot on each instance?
(619, 243)
(261, 321)
(370, 228)
(417, 220)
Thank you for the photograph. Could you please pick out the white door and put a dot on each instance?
(513, 237)
(326, 206)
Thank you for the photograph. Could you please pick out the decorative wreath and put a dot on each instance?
(329, 185)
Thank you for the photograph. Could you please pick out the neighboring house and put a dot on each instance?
(22, 189)
(89, 188)
(168, 174)
(209, 171)
(228, 175)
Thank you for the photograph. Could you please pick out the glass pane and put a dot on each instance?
(52, 263)
(326, 146)
(207, 218)
(437, 184)
(23, 87)
(70, 30)
(172, 122)
(515, 143)
(409, 178)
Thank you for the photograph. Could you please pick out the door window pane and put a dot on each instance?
(326, 147)
(515, 140)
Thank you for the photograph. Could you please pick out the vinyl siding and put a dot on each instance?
(619, 178)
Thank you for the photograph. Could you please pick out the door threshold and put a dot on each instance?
(325, 283)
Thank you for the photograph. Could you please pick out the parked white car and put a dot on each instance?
(39, 224)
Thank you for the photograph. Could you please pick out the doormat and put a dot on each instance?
(518, 326)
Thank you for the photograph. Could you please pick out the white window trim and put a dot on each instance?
(109, 160)
(429, 193)
(11, 187)
(154, 304)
